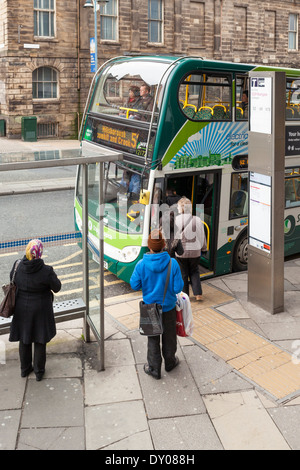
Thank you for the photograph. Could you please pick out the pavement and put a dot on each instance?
(237, 385)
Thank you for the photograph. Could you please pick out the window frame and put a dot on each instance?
(293, 32)
(211, 74)
(243, 174)
(37, 11)
(158, 21)
(37, 81)
(114, 16)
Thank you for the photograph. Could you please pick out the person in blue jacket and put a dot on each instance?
(150, 275)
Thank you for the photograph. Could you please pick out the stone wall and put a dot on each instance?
(254, 31)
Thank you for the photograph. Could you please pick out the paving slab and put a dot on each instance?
(114, 384)
(57, 438)
(53, 403)
(62, 366)
(287, 419)
(139, 441)
(109, 424)
(212, 375)
(176, 394)
(184, 433)
(9, 427)
(12, 386)
(242, 423)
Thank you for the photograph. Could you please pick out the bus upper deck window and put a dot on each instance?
(206, 97)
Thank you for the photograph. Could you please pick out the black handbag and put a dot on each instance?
(7, 305)
(151, 314)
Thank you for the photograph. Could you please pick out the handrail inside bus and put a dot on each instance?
(208, 234)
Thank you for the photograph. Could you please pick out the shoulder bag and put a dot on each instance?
(151, 314)
(7, 305)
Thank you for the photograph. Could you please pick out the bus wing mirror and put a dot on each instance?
(144, 197)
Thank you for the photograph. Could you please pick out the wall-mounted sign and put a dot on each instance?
(93, 54)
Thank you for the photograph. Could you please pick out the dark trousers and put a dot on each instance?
(189, 268)
(39, 358)
(169, 343)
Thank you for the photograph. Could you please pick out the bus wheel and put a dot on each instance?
(240, 257)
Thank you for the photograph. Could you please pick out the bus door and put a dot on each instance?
(203, 189)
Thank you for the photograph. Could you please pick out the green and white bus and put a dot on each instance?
(186, 135)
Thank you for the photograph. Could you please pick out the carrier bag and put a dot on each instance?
(151, 314)
(184, 316)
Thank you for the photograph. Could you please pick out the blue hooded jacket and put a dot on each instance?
(150, 275)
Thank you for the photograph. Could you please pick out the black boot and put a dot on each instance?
(150, 371)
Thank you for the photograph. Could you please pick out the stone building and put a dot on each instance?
(45, 46)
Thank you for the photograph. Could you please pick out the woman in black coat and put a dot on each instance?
(33, 319)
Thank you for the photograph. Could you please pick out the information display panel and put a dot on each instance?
(260, 209)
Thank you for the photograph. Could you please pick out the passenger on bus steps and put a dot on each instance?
(191, 231)
(167, 224)
(33, 320)
(150, 275)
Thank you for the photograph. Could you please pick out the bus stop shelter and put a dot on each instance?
(88, 154)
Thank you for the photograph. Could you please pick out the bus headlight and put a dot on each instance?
(129, 253)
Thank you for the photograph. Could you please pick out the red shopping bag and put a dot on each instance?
(180, 330)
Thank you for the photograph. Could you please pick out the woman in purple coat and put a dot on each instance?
(33, 319)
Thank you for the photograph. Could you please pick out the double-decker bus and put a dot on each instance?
(181, 124)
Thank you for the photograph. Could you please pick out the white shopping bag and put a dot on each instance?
(184, 321)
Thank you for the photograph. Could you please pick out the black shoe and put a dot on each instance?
(150, 371)
(39, 377)
(168, 369)
(27, 372)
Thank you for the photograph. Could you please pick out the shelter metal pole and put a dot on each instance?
(85, 259)
(101, 263)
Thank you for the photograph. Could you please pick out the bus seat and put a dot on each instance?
(205, 112)
(189, 111)
(239, 203)
(239, 113)
(219, 111)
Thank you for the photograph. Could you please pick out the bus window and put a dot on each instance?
(292, 109)
(239, 195)
(292, 187)
(241, 98)
(127, 90)
(206, 97)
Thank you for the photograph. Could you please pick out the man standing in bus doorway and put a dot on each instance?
(150, 275)
(190, 229)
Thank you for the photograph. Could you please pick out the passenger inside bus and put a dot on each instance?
(131, 103)
(245, 104)
(145, 103)
(171, 195)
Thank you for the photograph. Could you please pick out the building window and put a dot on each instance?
(293, 32)
(44, 83)
(44, 12)
(109, 21)
(155, 21)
